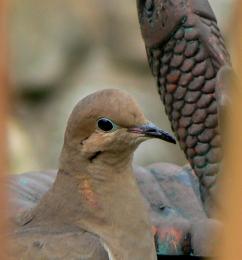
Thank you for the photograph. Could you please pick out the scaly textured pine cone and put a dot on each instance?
(186, 51)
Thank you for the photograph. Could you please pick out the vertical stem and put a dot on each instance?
(231, 247)
(3, 119)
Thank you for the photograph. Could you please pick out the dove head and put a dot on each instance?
(108, 125)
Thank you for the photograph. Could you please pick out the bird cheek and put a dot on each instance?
(90, 146)
(87, 150)
(97, 142)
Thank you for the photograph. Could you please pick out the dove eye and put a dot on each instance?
(106, 124)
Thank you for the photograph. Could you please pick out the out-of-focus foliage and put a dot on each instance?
(62, 50)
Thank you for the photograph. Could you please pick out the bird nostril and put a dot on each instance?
(152, 131)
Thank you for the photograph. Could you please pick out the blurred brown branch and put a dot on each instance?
(232, 183)
(3, 120)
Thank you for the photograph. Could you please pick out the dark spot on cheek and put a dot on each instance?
(94, 156)
(82, 141)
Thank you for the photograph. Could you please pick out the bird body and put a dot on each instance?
(171, 193)
(94, 210)
(186, 52)
(73, 210)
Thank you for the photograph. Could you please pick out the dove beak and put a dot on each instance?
(152, 131)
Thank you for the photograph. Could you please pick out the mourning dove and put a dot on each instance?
(94, 210)
(186, 53)
(179, 223)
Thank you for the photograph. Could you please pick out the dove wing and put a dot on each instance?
(40, 243)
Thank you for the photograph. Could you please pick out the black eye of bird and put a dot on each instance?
(105, 124)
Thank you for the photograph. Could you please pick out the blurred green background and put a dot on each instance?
(62, 50)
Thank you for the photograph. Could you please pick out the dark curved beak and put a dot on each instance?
(152, 131)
